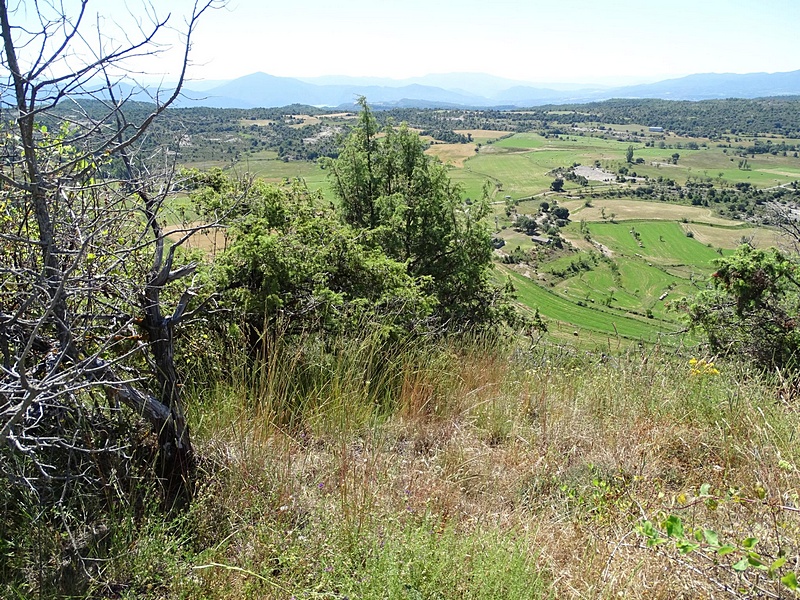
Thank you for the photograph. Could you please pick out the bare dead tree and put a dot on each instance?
(86, 270)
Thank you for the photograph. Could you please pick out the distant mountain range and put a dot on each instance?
(476, 90)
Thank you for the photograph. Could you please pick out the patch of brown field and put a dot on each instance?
(211, 240)
(259, 122)
(779, 172)
(452, 154)
(307, 120)
(636, 209)
(482, 134)
(760, 237)
(579, 242)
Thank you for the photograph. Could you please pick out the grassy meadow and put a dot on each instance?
(522, 162)
(477, 470)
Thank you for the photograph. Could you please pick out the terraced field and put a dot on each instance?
(631, 287)
(564, 313)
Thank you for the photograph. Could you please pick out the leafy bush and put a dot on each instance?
(752, 308)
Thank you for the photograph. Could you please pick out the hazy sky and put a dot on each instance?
(603, 41)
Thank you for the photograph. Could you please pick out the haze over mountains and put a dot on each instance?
(472, 90)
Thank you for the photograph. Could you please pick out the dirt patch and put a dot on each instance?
(594, 174)
(325, 133)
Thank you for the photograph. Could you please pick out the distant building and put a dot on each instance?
(656, 130)
(541, 240)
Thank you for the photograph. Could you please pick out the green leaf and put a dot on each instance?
(705, 489)
(749, 543)
(652, 534)
(741, 565)
(726, 549)
(777, 564)
(686, 547)
(790, 581)
(674, 526)
(711, 537)
(647, 529)
(755, 560)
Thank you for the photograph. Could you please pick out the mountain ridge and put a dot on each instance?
(475, 90)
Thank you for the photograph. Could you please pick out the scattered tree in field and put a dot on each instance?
(557, 185)
(675, 157)
(629, 155)
(527, 224)
(561, 213)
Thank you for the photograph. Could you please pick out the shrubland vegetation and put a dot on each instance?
(561, 365)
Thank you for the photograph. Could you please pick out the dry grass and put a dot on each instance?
(307, 120)
(452, 154)
(259, 122)
(636, 209)
(352, 469)
(566, 453)
(718, 237)
(210, 240)
(482, 135)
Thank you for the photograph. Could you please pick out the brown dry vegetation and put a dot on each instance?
(482, 135)
(636, 209)
(452, 154)
(566, 455)
(210, 239)
(307, 120)
(759, 237)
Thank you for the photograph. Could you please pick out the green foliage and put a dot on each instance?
(752, 308)
(738, 556)
(407, 205)
(292, 262)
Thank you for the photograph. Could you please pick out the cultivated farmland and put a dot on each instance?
(629, 255)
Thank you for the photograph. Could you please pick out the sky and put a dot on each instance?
(576, 41)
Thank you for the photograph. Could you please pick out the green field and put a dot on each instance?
(267, 166)
(521, 163)
(606, 322)
(648, 265)
(634, 279)
(656, 252)
(661, 242)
